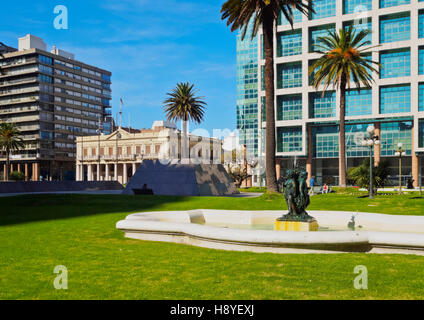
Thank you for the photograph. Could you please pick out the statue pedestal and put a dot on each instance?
(296, 225)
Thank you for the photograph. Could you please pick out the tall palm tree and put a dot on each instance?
(183, 104)
(264, 13)
(343, 59)
(9, 141)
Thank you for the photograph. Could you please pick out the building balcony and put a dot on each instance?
(18, 91)
(19, 110)
(18, 100)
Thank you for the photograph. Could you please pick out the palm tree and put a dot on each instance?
(343, 59)
(264, 13)
(9, 141)
(183, 104)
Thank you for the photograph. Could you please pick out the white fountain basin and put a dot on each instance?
(252, 231)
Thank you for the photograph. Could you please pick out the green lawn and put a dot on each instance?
(78, 231)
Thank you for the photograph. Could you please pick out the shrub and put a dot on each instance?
(16, 176)
(361, 175)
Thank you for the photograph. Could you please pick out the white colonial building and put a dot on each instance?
(117, 156)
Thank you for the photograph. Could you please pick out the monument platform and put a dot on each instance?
(283, 225)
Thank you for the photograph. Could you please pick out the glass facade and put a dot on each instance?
(421, 24)
(247, 92)
(289, 75)
(263, 112)
(325, 142)
(394, 96)
(395, 63)
(421, 96)
(323, 9)
(420, 60)
(289, 139)
(396, 27)
(322, 106)
(392, 3)
(289, 107)
(394, 132)
(354, 136)
(358, 103)
(352, 6)
(297, 17)
(421, 133)
(316, 32)
(289, 43)
(395, 99)
(359, 26)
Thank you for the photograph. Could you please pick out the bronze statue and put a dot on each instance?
(296, 196)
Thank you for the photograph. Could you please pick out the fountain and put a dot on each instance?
(261, 231)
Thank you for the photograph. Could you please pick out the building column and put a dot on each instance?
(36, 171)
(125, 174)
(309, 159)
(415, 166)
(77, 172)
(26, 172)
(4, 172)
(134, 168)
(107, 174)
(98, 172)
(278, 168)
(377, 148)
(11, 167)
(90, 172)
(19, 167)
(115, 176)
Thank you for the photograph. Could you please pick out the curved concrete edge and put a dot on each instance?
(184, 227)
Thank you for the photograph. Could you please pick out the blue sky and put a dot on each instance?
(148, 46)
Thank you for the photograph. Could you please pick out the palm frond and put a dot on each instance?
(343, 55)
(183, 104)
(240, 13)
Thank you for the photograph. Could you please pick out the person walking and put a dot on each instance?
(311, 184)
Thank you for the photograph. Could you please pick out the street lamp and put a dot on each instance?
(370, 141)
(400, 153)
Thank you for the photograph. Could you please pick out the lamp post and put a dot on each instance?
(370, 141)
(400, 153)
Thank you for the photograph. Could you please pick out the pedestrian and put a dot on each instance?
(311, 184)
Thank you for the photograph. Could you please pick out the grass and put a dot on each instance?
(78, 231)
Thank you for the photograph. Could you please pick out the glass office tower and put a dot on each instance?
(247, 92)
(307, 120)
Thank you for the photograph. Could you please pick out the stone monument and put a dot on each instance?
(297, 199)
(154, 177)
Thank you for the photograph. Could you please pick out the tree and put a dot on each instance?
(343, 59)
(9, 141)
(238, 175)
(361, 175)
(183, 104)
(239, 13)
